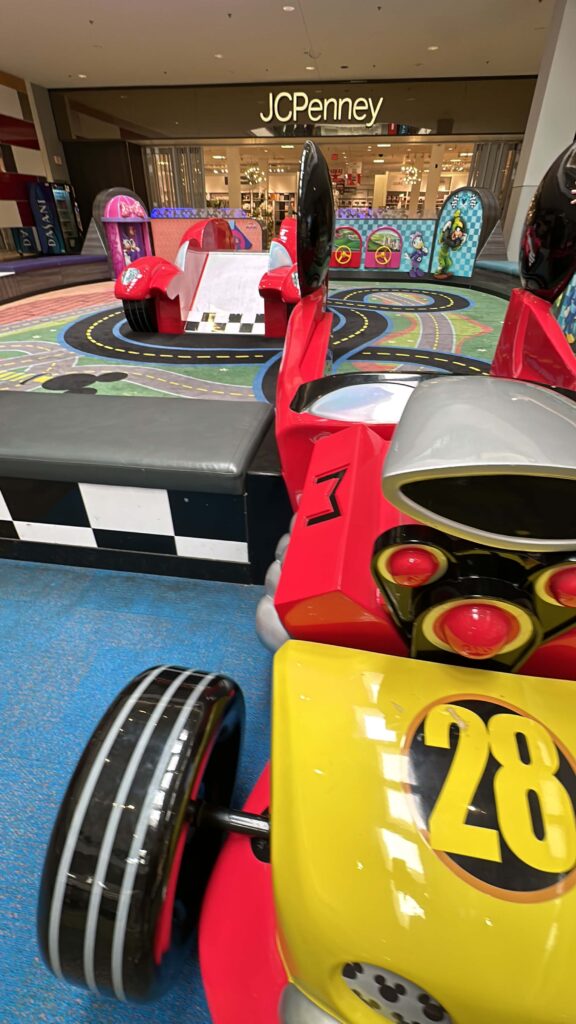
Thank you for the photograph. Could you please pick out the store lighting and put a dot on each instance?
(254, 175)
(219, 56)
(410, 173)
(82, 76)
(378, 160)
(217, 156)
(288, 8)
(467, 154)
(433, 47)
(286, 145)
(384, 145)
(310, 67)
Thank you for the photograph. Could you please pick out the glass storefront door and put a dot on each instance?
(407, 177)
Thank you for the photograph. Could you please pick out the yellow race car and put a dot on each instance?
(412, 855)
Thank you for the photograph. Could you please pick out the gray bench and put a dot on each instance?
(158, 485)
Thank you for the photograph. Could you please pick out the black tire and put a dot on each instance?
(106, 920)
(141, 315)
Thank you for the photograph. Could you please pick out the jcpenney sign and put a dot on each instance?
(286, 106)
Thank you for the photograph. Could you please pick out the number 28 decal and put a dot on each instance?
(496, 796)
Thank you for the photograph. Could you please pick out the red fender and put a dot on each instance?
(326, 591)
(532, 344)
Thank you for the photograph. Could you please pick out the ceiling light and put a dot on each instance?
(384, 145)
(82, 76)
(216, 156)
(286, 145)
(378, 160)
(219, 56)
(310, 67)
(288, 8)
(467, 154)
(433, 47)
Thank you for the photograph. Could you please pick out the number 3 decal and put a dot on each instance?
(497, 793)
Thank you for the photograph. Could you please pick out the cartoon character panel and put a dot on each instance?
(402, 245)
(384, 249)
(126, 226)
(458, 235)
(347, 249)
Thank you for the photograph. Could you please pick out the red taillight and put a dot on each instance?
(477, 630)
(561, 585)
(413, 566)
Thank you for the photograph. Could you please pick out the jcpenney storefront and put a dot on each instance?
(401, 145)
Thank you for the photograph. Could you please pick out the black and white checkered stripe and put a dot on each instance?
(227, 323)
(140, 519)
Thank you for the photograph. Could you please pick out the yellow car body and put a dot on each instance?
(407, 835)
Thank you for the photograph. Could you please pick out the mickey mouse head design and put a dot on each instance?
(352, 971)
(390, 991)
(366, 999)
(432, 1011)
(79, 383)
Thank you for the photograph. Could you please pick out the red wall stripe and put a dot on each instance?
(25, 214)
(15, 132)
(14, 186)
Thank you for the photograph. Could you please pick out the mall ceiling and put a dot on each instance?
(79, 43)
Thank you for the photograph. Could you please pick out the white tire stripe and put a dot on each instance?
(117, 809)
(78, 819)
(133, 859)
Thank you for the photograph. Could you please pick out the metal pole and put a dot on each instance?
(255, 825)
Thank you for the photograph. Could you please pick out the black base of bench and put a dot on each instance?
(175, 488)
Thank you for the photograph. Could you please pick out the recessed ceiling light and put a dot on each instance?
(384, 145)
(310, 67)
(219, 56)
(288, 8)
(378, 160)
(466, 154)
(82, 76)
(433, 47)
(217, 156)
(286, 145)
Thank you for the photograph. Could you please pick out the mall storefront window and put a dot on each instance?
(395, 145)
(407, 177)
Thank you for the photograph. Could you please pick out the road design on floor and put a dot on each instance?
(374, 328)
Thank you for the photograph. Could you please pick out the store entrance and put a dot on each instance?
(406, 177)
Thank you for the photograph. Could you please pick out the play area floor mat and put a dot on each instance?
(77, 341)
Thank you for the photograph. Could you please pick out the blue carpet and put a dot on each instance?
(70, 640)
